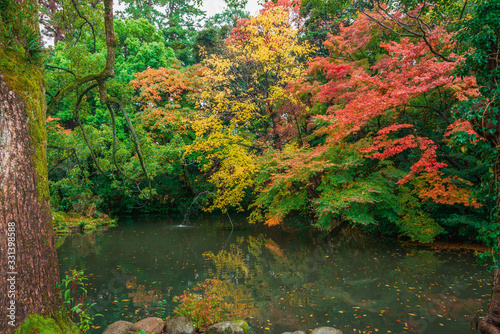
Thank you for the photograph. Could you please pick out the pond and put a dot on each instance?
(283, 282)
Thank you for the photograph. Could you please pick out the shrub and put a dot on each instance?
(204, 304)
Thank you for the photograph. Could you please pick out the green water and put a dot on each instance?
(283, 282)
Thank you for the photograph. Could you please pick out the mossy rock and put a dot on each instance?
(179, 325)
(229, 327)
(71, 222)
(58, 324)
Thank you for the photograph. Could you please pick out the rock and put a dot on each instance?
(118, 327)
(296, 332)
(228, 327)
(179, 325)
(326, 330)
(75, 228)
(150, 325)
(103, 216)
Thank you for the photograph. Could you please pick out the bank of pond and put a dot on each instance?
(146, 267)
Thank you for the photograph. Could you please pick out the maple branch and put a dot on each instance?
(384, 25)
(452, 162)
(58, 163)
(410, 32)
(250, 146)
(419, 20)
(113, 126)
(432, 108)
(402, 25)
(442, 99)
(424, 37)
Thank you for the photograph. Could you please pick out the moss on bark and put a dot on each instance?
(24, 76)
(23, 94)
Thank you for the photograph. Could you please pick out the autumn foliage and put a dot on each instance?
(166, 97)
(369, 134)
(381, 101)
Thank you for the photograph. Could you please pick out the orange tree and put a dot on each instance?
(380, 129)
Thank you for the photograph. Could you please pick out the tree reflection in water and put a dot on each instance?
(282, 281)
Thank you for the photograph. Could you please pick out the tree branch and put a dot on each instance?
(73, 153)
(77, 119)
(61, 68)
(134, 136)
(85, 19)
(107, 72)
(113, 124)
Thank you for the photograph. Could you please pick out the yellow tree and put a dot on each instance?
(248, 80)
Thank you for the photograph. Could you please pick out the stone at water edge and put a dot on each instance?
(118, 327)
(179, 325)
(326, 330)
(150, 325)
(228, 327)
(296, 332)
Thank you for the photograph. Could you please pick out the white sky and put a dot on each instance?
(216, 6)
(212, 6)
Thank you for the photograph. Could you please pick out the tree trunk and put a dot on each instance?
(490, 324)
(28, 262)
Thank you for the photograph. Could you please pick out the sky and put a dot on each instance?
(212, 6)
(215, 6)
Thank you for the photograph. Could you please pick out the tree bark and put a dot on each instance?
(490, 324)
(25, 205)
(28, 264)
(488, 127)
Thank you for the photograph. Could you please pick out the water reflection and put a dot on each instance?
(281, 281)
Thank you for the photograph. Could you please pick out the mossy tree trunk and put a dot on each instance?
(25, 217)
